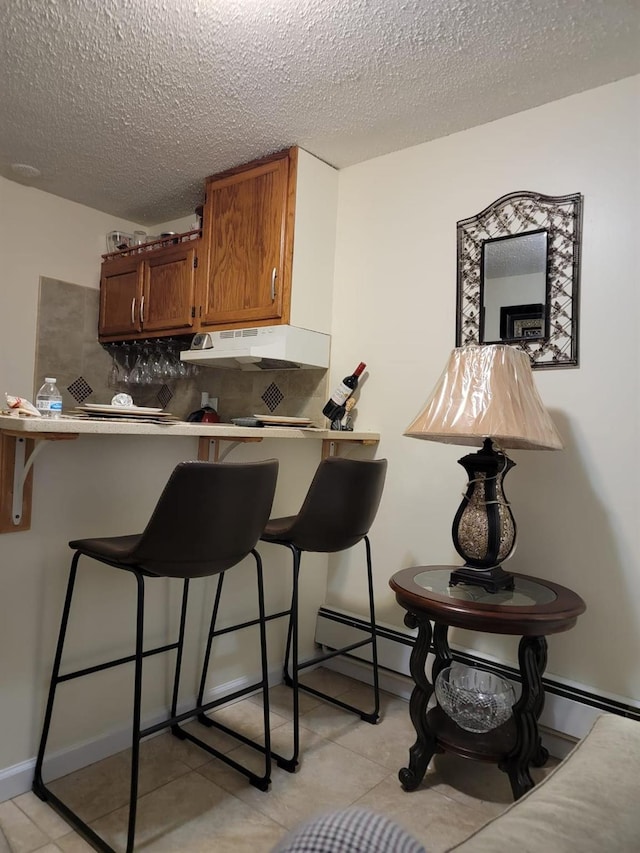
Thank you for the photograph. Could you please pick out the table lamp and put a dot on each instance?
(486, 396)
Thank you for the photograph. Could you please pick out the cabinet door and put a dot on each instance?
(168, 300)
(245, 224)
(120, 292)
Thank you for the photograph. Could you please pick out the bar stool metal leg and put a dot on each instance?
(39, 787)
(137, 706)
(38, 784)
(265, 668)
(260, 782)
(291, 653)
(368, 717)
(374, 717)
(292, 665)
(180, 648)
(212, 630)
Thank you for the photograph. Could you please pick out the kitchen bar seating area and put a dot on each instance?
(208, 519)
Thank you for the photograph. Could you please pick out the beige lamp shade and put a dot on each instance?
(487, 392)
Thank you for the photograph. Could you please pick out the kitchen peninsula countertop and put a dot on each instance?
(36, 428)
(22, 438)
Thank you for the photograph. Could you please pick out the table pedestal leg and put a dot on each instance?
(423, 749)
(532, 656)
(441, 650)
(541, 755)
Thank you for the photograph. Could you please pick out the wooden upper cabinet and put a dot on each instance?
(248, 238)
(169, 289)
(120, 291)
(148, 293)
(248, 273)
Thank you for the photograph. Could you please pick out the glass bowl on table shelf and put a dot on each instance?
(477, 700)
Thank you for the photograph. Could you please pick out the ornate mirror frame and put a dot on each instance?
(514, 214)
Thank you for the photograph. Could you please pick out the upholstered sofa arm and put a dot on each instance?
(590, 803)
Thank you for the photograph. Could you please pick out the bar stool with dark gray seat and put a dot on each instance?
(207, 520)
(338, 510)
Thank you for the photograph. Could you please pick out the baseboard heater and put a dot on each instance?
(569, 711)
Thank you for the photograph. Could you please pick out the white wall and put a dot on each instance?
(41, 234)
(394, 307)
(101, 486)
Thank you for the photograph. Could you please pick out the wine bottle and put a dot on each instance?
(335, 405)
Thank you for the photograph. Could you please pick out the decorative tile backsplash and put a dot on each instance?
(66, 343)
(67, 347)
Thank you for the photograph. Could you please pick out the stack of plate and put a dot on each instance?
(123, 413)
(279, 420)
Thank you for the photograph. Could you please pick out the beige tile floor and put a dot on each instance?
(190, 802)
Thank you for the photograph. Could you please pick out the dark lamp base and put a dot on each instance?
(493, 580)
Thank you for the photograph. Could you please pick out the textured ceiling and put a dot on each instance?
(525, 254)
(127, 105)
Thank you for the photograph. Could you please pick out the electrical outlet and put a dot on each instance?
(206, 400)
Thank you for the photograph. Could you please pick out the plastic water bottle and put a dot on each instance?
(49, 399)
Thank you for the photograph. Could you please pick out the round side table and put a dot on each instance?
(532, 610)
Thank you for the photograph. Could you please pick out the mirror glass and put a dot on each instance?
(514, 288)
(519, 276)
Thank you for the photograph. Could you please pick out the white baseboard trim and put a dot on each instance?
(569, 711)
(18, 778)
(570, 708)
(558, 744)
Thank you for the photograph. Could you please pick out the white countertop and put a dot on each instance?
(16, 459)
(40, 427)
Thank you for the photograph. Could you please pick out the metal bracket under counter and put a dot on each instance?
(205, 444)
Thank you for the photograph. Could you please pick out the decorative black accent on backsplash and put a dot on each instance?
(164, 396)
(272, 397)
(80, 389)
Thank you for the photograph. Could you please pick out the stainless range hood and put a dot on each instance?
(260, 348)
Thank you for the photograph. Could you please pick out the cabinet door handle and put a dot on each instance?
(142, 309)
(133, 311)
(274, 272)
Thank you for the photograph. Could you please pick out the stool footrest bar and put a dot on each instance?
(214, 724)
(230, 697)
(220, 631)
(369, 717)
(261, 782)
(334, 653)
(197, 711)
(99, 667)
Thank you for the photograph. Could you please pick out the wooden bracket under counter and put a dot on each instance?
(330, 447)
(17, 455)
(22, 439)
